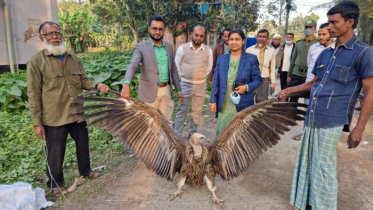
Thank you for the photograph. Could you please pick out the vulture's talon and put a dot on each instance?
(176, 194)
(218, 201)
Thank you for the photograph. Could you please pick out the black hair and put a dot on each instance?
(226, 29)
(48, 23)
(291, 34)
(263, 31)
(348, 10)
(323, 25)
(157, 18)
(239, 32)
(222, 33)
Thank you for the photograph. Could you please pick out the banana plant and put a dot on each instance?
(78, 29)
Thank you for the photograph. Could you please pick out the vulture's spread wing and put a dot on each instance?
(253, 130)
(140, 127)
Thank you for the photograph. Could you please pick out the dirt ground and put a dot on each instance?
(265, 185)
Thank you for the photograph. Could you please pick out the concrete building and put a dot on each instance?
(19, 24)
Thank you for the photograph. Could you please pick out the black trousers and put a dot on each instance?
(283, 79)
(56, 137)
(295, 81)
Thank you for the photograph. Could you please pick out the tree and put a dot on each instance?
(132, 14)
(271, 26)
(77, 29)
(296, 26)
(277, 10)
(242, 14)
(180, 16)
(71, 6)
(365, 26)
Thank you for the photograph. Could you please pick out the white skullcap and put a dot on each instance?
(277, 36)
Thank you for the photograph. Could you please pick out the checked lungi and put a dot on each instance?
(315, 174)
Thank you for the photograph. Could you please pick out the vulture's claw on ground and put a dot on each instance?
(176, 194)
(218, 201)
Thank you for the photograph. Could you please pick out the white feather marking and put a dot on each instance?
(126, 102)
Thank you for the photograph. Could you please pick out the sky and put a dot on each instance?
(303, 7)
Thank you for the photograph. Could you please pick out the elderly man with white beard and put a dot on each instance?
(55, 78)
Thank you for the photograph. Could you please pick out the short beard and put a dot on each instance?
(55, 50)
(156, 39)
(196, 43)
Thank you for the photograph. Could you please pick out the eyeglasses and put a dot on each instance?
(157, 29)
(52, 33)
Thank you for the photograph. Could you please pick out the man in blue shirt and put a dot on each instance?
(340, 72)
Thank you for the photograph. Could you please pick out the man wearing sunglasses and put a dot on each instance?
(55, 78)
(158, 71)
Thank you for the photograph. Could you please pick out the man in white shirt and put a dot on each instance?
(324, 41)
(267, 61)
(194, 62)
(286, 60)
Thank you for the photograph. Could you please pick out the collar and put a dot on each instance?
(322, 46)
(312, 39)
(266, 47)
(348, 45)
(275, 46)
(151, 41)
(200, 48)
(47, 53)
(319, 45)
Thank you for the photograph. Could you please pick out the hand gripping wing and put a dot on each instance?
(140, 127)
(253, 130)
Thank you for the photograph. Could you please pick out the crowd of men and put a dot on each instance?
(333, 72)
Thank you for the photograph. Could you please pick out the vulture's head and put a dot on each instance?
(197, 139)
(196, 142)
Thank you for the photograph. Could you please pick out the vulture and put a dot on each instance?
(145, 131)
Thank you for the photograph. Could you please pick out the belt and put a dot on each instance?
(162, 84)
(302, 70)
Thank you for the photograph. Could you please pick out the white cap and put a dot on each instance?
(277, 36)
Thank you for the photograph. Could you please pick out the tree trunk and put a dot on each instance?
(83, 43)
(134, 33)
(280, 20)
(222, 9)
(288, 8)
(73, 45)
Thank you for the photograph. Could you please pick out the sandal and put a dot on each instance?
(297, 137)
(58, 191)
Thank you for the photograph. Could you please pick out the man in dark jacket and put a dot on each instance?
(284, 59)
(220, 49)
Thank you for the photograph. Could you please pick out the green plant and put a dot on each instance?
(22, 156)
(109, 67)
(78, 29)
(13, 93)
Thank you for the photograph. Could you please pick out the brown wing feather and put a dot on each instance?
(251, 132)
(141, 128)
